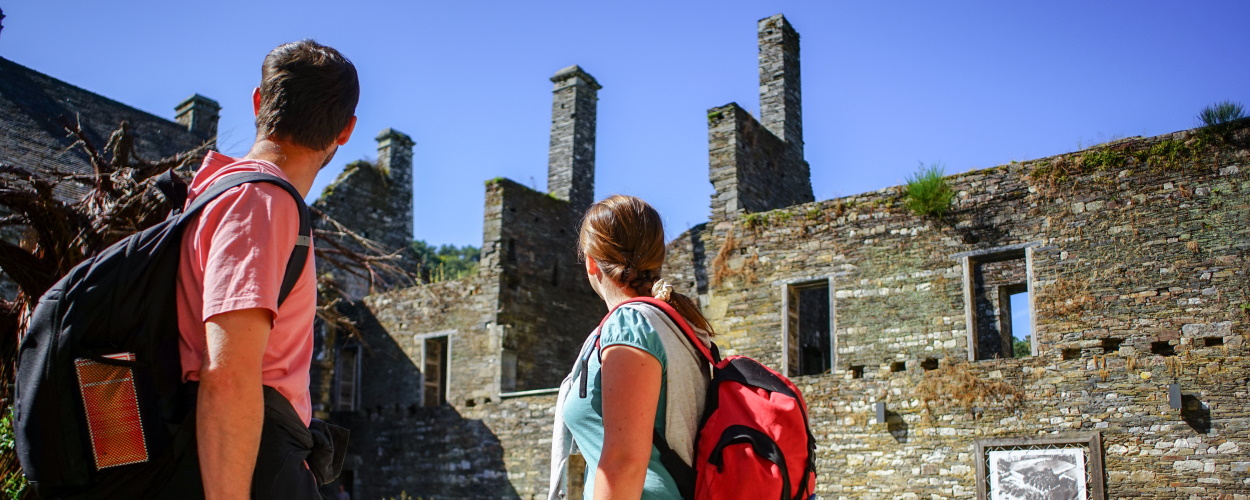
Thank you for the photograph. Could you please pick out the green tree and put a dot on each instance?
(445, 262)
(1022, 348)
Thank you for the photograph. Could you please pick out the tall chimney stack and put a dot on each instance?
(571, 157)
(781, 97)
(395, 160)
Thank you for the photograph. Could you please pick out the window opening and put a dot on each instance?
(507, 371)
(1021, 331)
(929, 364)
(1110, 345)
(857, 371)
(1071, 353)
(898, 366)
(348, 379)
(1000, 311)
(1163, 348)
(1213, 341)
(809, 342)
(434, 371)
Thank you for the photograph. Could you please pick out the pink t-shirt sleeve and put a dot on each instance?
(253, 229)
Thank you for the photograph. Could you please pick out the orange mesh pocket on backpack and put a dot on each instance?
(108, 395)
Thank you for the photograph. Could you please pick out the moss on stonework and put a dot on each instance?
(1105, 159)
(1172, 154)
(755, 220)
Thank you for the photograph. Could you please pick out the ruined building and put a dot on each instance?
(36, 109)
(1128, 258)
(433, 356)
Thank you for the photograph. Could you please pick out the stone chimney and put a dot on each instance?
(781, 97)
(395, 160)
(200, 115)
(757, 165)
(571, 157)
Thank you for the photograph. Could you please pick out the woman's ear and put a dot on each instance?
(592, 267)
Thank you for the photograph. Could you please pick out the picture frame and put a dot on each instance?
(1052, 467)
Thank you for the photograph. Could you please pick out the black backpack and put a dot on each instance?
(108, 332)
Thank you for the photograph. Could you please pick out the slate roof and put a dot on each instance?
(34, 108)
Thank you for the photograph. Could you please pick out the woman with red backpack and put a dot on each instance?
(638, 383)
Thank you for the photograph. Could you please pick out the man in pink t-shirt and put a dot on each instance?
(235, 338)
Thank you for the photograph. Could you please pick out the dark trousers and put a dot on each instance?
(280, 473)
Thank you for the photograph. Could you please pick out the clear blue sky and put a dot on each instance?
(885, 84)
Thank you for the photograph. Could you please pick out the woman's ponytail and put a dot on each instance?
(663, 290)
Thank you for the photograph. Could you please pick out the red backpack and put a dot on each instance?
(754, 441)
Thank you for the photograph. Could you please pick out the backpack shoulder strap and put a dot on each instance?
(677, 318)
(683, 473)
(299, 255)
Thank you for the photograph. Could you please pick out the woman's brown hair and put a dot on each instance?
(625, 237)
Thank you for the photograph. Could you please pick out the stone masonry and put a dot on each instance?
(571, 162)
(757, 166)
(1133, 255)
(374, 200)
(510, 330)
(35, 110)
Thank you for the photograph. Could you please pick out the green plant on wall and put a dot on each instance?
(1221, 113)
(1104, 159)
(1217, 119)
(755, 220)
(928, 194)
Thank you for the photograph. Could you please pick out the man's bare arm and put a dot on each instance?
(230, 407)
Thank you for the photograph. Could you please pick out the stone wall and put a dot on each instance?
(529, 297)
(684, 263)
(1134, 248)
(1133, 255)
(499, 450)
(373, 200)
(1150, 450)
(756, 166)
(899, 296)
(571, 155)
(545, 301)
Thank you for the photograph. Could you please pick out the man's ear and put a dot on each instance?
(256, 101)
(347, 132)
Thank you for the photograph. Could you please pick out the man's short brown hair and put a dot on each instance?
(308, 94)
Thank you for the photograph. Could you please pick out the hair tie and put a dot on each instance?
(662, 290)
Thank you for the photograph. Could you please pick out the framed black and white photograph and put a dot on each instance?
(1040, 468)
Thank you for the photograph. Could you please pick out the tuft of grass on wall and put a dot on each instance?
(928, 194)
(1218, 119)
(1221, 113)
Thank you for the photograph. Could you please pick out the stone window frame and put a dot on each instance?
(1089, 442)
(966, 260)
(420, 340)
(803, 282)
(354, 404)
